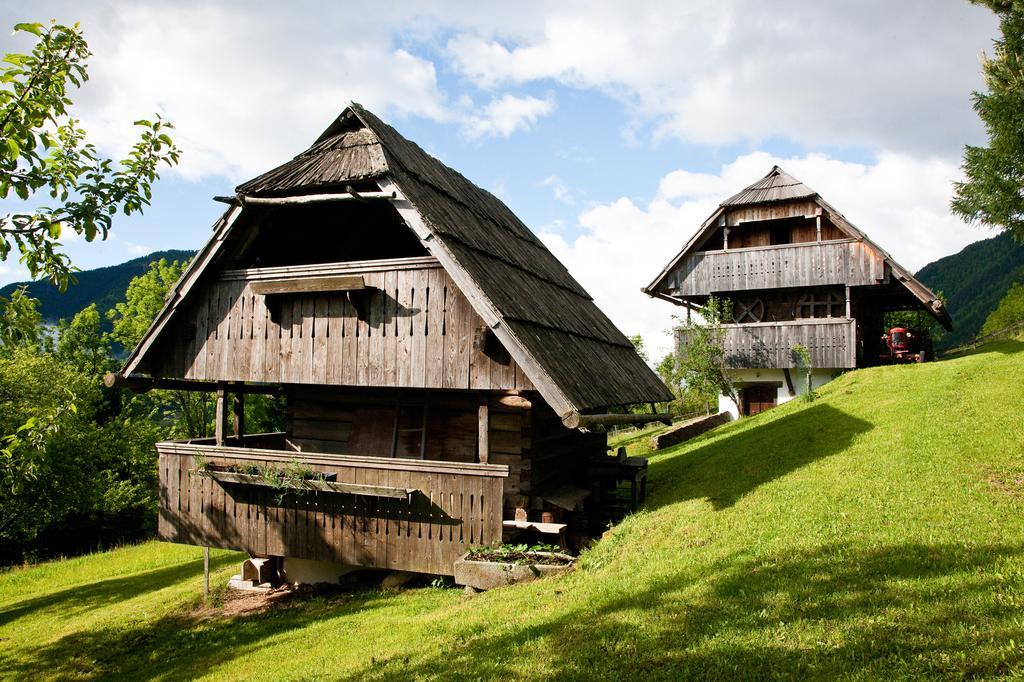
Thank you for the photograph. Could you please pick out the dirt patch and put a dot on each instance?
(1007, 482)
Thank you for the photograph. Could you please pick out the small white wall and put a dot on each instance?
(819, 377)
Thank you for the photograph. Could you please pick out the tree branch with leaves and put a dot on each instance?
(47, 162)
(701, 358)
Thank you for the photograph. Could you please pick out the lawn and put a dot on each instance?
(876, 532)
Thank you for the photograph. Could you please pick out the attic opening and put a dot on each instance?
(327, 232)
(773, 232)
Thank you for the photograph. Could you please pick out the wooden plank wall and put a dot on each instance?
(331, 421)
(560, 455)
(457, 507)
(814, 264)
(510, 443)
(336, 421)
(411, 328)
(832, 343)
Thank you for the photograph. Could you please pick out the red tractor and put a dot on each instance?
(903, 344)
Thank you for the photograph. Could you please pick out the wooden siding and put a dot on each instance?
(411, 327)
(457, 506)
(792, 209)
(832, 343)
(846, 261)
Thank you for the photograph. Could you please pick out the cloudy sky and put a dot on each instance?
(612, 129)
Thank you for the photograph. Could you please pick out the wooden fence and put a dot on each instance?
(455, 506)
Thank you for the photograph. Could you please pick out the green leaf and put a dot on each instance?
(35, 29)
(13, 151)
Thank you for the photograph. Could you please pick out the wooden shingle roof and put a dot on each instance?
(778, 185)
(575, 356)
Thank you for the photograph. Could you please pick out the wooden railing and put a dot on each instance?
(451, 507)
(841, 261)
(832, 343)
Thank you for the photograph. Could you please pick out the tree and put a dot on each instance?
(1009, 312)
(45, 152)
(703, 364)
(687, 400)
(19, 320)
(142, 301)
(83, 345)
(994, 190)
(638, 346)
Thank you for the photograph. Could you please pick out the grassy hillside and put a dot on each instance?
(876, 532)
(102, 286)
(974, 281)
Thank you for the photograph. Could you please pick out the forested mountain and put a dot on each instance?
(102, 286)
(973, 282)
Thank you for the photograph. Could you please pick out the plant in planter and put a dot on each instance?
(292, 478)
(484, 568)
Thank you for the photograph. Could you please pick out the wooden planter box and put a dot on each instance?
(312, 485)
(486, 575)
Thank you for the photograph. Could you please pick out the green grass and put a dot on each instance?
(874, 533)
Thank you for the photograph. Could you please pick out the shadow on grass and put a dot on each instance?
(907, 610)
(178, 646)
(104, 592)
(726, 468)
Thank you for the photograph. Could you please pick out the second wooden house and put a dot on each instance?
(446, 379)
(795, 272)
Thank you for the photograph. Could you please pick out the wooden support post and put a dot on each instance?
(220, 414)
(849, 309)
(238, 426)
(206, 573)
(484, 427)
(423, 429)
(817, 224)
(725, 238)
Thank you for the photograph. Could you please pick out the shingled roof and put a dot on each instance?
(571, 351)
(778, 185)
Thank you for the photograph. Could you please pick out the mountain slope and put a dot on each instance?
(974, 281)
(102, 286)
(874, 533)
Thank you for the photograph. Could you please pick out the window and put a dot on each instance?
(815, 304)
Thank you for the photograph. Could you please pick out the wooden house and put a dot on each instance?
(794, 271)
(444, 375)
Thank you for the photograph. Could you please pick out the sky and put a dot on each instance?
(612, 129)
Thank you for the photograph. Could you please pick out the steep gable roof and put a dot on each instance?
(570, 350)
(778, 186)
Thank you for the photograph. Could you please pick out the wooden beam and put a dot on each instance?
(141, 384)
(313, 198)
(238, 425)
(483, 431)
(306, 285)
(599, 421)
(220, 414)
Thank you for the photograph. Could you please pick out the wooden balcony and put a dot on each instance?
(443, 508)
(832, 343)
(840, 261)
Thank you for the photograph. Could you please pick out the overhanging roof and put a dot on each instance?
(570, 350)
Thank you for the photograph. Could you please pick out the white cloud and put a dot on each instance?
(506, 115)
(891, 75)
(559, 189)
(900, 202)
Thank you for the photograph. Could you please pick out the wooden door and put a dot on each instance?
(757, 399)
